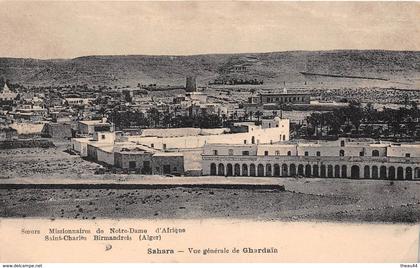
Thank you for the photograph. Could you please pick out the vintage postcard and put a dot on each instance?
(200, 131)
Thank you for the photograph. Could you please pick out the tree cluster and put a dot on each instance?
(365, 121)
(153, 118)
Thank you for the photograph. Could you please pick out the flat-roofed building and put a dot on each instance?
(168, 163)
(175, 144)
(88, 127)
(147, 161)
(280, 98)
(57, 130)
(78, 101)
(339, 159)
(271, 131)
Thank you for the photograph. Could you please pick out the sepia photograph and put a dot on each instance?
(188, 112)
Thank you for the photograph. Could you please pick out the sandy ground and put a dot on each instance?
(39, 162)
(304, 199)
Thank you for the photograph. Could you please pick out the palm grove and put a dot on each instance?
(355, 120)
(358, 121)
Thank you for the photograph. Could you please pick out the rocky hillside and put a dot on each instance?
(272, 68)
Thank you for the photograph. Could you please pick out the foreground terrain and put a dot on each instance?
(43, 162)
(304, 199)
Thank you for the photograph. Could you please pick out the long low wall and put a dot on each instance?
(25, 144)
(328, 167)
(267, 135)
(128, 186)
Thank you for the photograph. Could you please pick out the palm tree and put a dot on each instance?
(154, 115)
(246, 116)
(224, 117)
(235, 115)
(316, 121)
(166, 120)
(355, 114)
(258, 114)
(312, 120)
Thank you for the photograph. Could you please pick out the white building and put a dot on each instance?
(337, 159)
(78, 101)
(89, 127)
(7, 94)
(271, 131)
(188, 141)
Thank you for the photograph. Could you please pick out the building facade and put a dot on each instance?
(169, 146)
(109, 149)
(89, 127)
(57, 130)
(270, 131)
(78, 101)
(280, 98)
(340, 159)
(148, 162)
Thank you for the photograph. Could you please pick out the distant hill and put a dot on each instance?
(272, 68)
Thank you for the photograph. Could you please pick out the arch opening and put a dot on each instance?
(355, 172)
(237, 170)
(337, 171)
(268, 171)
(391, 173)
(229, 169)
(260, 170)
(308, 172)
(276, 170)
(252, 170)
(284, 170)
(221, 170)
(344, 171)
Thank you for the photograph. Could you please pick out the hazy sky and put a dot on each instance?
(72, 29)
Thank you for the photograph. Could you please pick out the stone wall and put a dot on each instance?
(25, 144)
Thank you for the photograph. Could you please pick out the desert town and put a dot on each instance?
(235, 134)
(198, 133)
(226, 132)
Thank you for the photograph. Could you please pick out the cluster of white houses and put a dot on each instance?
(344, 158)
(161, 151)
(247, 150)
